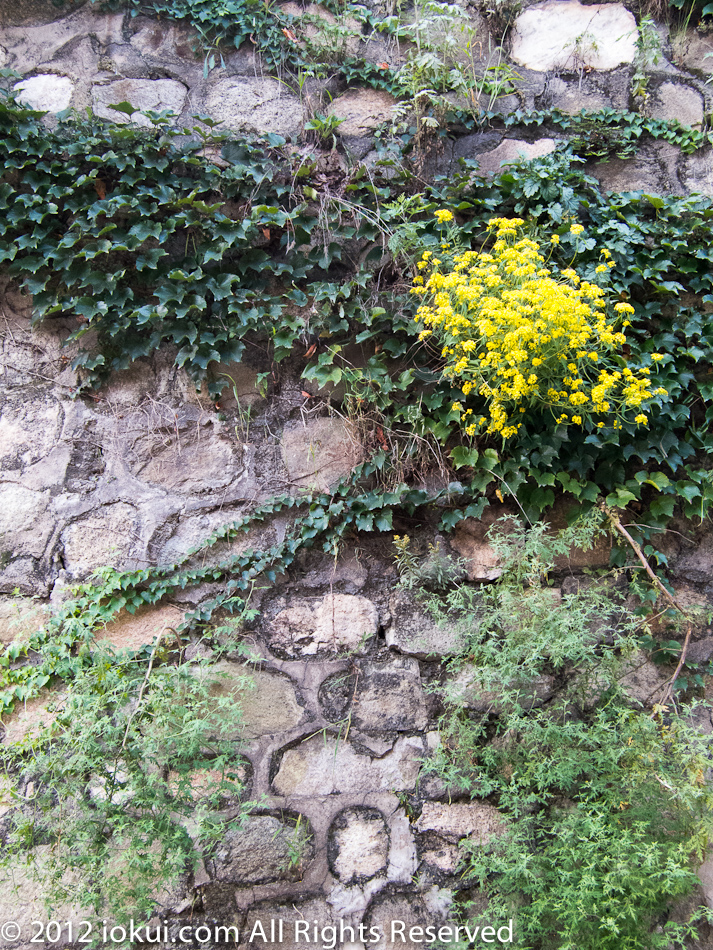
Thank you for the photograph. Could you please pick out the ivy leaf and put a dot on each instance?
(124, 107)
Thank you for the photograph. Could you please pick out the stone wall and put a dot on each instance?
(341, 716)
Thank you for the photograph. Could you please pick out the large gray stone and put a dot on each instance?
(19, 618)
(643, 680)
(105, 536)
(674, 101)
(268, 700)
(197, 460)
(705, 873)
(266, 849)
(470, 541)
(358, 845)
(25, 523)
(465, 690)
(512, 150)
(325, 766)
(390, 696)
(693, 50)
(144, 94)
(396, 916)
(259, 105)
(307, 913)
(413, 630)
(46, 93)
(697, 176)
(317, 454)
(362, 110)
(23, 896)
(28, 719)
(568, 35)
(132, 631)
(654, 169)
(475, 820)
(337, 622)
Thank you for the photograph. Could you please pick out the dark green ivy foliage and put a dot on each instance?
(142, 239)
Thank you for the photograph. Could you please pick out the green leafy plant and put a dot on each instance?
(604, 806)
(128, 778)
(324, 127)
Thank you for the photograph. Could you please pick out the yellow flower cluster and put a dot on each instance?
(516, 336)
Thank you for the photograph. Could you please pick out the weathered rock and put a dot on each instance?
(571, 98)
(568, 35)
(358, 845)
(705, 873)
(319, 453)
(166, 41)
(269, 700)
(643, 679)
(24, 526)
(19, 617)
(469, 540)
(474, 820)
(390, 696)
(337, 622)
(701, 651)
(693, 50)
(653, 169)
(465, 690)
(322, 766)
(512, 150)
(697, 176)
(266, 849)
(328, 36)
(199, 459)
(132, 631)
(294, 915)
(153, 95)
(676, 102)
(22, 897)
(259, 105)
(444, 858)
(191, 533)
(396, 915)
(413, 631)
(46, 93)
(31, 717)
(106, 536)
(362, 110)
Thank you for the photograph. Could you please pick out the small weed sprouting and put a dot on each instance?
(324, 128)
(434, 572)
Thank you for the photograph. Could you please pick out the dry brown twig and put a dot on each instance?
(615, 522)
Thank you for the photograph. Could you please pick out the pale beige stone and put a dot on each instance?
(475, 820)
(260, 105)
(268, 700)
(512, 150)
(568, 35)
(319, 453)
(361, 842)
(322, 766)
(132, 631)
(29, 718)
(46, 92)
(362, 110)
(19, 618)
(338, 621)
(154, 95)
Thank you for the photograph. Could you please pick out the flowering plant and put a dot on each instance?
(516, 336)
